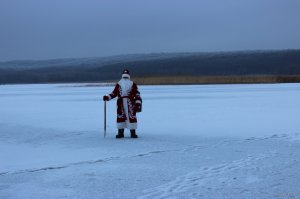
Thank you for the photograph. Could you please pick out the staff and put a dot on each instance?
(104, 119)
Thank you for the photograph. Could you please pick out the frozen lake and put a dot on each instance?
(198, 141)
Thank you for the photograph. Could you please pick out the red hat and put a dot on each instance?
(125, 73)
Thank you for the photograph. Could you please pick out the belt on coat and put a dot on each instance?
(124, 97)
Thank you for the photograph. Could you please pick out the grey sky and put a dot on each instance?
(43, 29)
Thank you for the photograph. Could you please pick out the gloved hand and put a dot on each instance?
(137, 108)
(105, 98)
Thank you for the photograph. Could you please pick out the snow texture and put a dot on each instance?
(205, 141)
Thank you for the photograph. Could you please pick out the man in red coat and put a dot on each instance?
(128, 104)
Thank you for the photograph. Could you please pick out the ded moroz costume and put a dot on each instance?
(128, 104)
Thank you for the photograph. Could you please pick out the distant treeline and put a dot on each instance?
(234, 67)
(156, 80)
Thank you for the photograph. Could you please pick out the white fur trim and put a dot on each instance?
(131, 125)
(121, 125)
(138, 101)
(109, 97)
(126, 75)
(128, 125)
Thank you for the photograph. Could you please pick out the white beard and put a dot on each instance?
(126, 85)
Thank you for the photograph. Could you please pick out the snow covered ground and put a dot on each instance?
(206, 141)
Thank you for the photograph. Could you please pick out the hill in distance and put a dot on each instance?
(161, 68)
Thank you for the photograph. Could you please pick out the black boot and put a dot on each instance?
(133, 134)
(120, 133)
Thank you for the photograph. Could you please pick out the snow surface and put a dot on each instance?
(205, 141)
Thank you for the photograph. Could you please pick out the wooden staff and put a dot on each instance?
(104, 119)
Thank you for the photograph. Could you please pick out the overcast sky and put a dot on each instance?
(45, 29)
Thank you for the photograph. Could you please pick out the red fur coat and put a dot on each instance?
(128, 98)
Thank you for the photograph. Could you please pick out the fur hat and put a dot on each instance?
(125, 73)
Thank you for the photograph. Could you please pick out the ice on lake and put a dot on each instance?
(197, 141)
